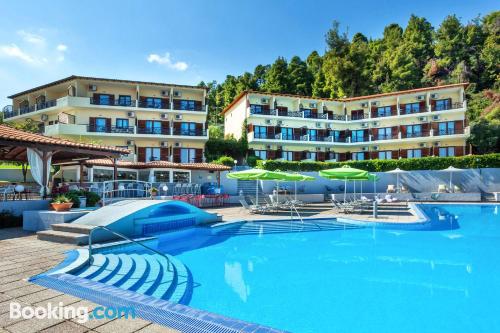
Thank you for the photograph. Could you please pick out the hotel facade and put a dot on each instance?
(157, 122)
(405, 124)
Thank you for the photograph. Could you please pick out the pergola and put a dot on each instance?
(41, 151)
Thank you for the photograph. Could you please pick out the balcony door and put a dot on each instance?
(313, 134)
(188, 129)
(413, 131)
(358, 136)
(100, 124)
(287, 133)
(384, 133)
(447, 128)
(153, 127)
(260, 132)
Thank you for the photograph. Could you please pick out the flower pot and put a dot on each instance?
(62, 207)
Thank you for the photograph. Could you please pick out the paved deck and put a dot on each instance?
(22, 255)
(392, 213)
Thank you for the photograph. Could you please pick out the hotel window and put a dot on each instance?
(414, 153)
(307, 113)
(257, 109)
(384, 111)
(287, 155)
(442, 104)
(358, 156)
(188, 129)
(187, 105)
(313, 134)
(260, 132)
(412, 108)
(100, 125)
(104, 99)
(287, 133)
(357, 114)
(181, 176)
(153, 102)
(124, 100)
(413, 131)
(153, 127)
(447, 128)
(262, 154)
(385, 133)
(336, 136)
(358, 136)
(152, 154)
(446, 151)
(122, 123)
(311, 156)
(385, 155)
(332, 156)
(188, 155)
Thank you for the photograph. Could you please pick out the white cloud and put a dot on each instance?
(14, 51)
(31, 38)
(167, 61)
(62, 48)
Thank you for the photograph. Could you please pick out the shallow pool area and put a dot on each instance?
(442, 276)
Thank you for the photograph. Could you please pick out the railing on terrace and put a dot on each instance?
(110, 129)
(449, 131)
(358, 117)
(116, 102)
(448, 106)
(297, 114)
(416, 134)
(9, 112)
(153, 130)
(412, 111)
(386, 136)
(189, 132)
(183, 107)
(153, 105)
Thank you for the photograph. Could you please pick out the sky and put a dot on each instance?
(186, 41)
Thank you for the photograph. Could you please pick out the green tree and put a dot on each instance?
(300, 77)
(337, 43)
(277, 78)
(490, 54)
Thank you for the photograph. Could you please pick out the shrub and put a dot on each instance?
(225, 160)
(252, 160)
(424, 163)
(216, 148)
(73, 196)
(61, 199)
(92, 198)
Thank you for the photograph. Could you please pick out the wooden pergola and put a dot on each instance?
(14, 144)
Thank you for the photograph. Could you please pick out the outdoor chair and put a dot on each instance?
(442, 188)
(253, 208)
(389, 198)
(178, 189)
(7, 190)
(391, 188)
(404, 189)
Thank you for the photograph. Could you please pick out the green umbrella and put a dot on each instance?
(297, 177)
(345, 173)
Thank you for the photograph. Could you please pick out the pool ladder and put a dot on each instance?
(127, 239)
(292, 208)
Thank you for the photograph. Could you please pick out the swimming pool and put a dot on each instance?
(443, 277)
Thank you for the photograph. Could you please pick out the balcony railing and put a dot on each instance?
(116, 102)
(9, 112)
(264, 136)
(297, 114)
(448, 106)
(153, 130)
(110, 129)
(449, 131)
(181, 107)
(391, 136)
(189, 132)
(416, 134)
(153, 105)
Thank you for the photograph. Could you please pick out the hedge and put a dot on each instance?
(424, 163)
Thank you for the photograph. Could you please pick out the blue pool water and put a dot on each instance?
(441, 277)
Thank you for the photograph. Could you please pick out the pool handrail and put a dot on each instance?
(127, 239)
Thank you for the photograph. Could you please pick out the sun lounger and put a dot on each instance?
(391, 188)
(389, 198)
(253, 208)
(442, 188)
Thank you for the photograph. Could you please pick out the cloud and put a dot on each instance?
(62, 48)
(167, 61)
(31, 38)
(14, 51)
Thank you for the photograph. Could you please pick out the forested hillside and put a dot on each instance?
(417, 55)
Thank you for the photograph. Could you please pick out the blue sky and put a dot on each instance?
(184, 41)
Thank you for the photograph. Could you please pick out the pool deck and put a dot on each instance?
(387, 213)
(22, 255)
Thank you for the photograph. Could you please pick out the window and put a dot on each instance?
(307, 113)
(153, 102)
(181, 177)
(357, 114)
(442, 104)
(287, 155)
(254, 108)
(287, 133)
(124, 100)
(358, 156)
(153, 127)
(186, 105)
(385, 155)
(384, 133)
(152, 154)
(122, 123)
(162, 176)
(413, 131)
(260, 132)
(446, 151)
(311, 156)
(100, 125)
(447, 128)
(262, 154)
(332, 156)
(358, 136)
(414, 153)
(412, 108)
(188, 129)
(384, 111)
(336, 136)
(313, 134)
(104, 99)
(188, 155)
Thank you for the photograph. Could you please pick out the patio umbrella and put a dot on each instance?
(259, 174)
(451, 169)
(397, 171)
(297, 177)
(344, 173)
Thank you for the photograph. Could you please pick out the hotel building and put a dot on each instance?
(155, 121)
(404, 124)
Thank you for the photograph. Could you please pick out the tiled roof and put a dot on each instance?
(159, 164)
(17, 136)
(77, 77)
(348, 99)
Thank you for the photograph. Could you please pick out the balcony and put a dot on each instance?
(9, 112)
(381, 137)
(296, 114)
(449, 131)
(123, 103)
(154, 105)
(420, 134)
(449, 106)
(184, 132)
(110, 129)
(154, 130)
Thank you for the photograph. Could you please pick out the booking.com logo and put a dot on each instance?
(81, 314)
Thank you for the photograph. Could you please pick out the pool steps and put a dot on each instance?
(66, 233)
(147, 274)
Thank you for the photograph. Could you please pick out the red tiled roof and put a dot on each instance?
(17, 136)
(77, 77)
(348, 99)
(159, 164)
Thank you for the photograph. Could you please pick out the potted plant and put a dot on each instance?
(61, 203)
(153, 191)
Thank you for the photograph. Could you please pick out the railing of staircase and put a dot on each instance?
(124, 237)
(111, 190)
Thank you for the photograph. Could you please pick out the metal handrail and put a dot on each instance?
(126, 238)
(292, 206)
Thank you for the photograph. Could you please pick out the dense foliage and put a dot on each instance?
(417, 55)
(425, 163)
(216, 148)
(225, 160)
